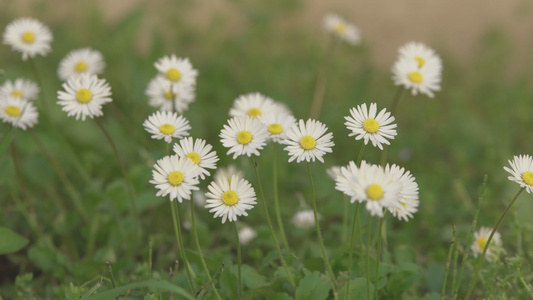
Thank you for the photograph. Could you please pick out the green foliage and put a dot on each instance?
(11, 241)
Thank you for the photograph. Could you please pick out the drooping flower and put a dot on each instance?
(244, 136)
(343, 30)
(29, 37)
(81, 61)
(230, 199)
(370, 125)
(19, 113)
(22, 89)
(169, 96)
(175, 176)
(522, 171)
(199, 152)
(308, 141)
(480, 241)
(84, 96)
(167, 125)
(408, 194)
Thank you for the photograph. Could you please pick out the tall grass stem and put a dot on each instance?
(352, 240)
(239, 259)
(322, 79)
(448, 261)
(276, 197)
(177, 231)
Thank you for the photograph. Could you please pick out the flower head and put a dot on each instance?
(422, 54)
(177, 70)
(425, 80)
(84, 96)
(199, 152)
(19, 113)
(522, 171)
(246, 235)
(252, 105)
(167, 125)
(480, 241)
(308, 141)
(175, 176)
(22, 89)
(28, 36)
(226, 173)
(341, 29)
(161, 92)
(244, 135)
(81, 61)
(277, 124)
(365, 124)
(304, 219)
(408, 194)
(230, 198)
(334, 172)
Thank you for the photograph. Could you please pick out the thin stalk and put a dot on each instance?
(150, 258)
(177, 231)
(320, 241)
(276, 198)
(368, 258)
(482, 256)
(454, 266)
(352, 240)
(345, 213)
(322, 79)
(32, 221)
(110, 270)
(379, 253)
(40, 83)
(239, 259)
(448, 261)
(199, 249)
(274, 240)
(394, 106)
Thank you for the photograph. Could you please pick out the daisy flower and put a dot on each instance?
(304, 219)
(522, 171)
(371, 184)
(230, 198)
(167, 125)
(175, 176)
(253, 105)
(422, 54)
(81, 61)
(366, 125)
(22, 89)
(19, 113)
(308, 141)
(225, 173)
(246, 235)
(199, 152)
(423, 80)
(28, 36)
(177, 70)
(408, 194)
(276, 125)
(480, 241)
(84, 96)
(334, 171)
(244, 135)
(161, 91)
(341, 29)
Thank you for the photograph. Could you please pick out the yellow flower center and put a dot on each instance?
(340, 28)
(275, 128)
(482, 242)
(254, 112)
(308, 142)
(244, 137)
(80, 66)
(371, 125)
(13, 111)
(169, 95)
(194, 157)
(416, 77)
(374, 192)
(28, 37)
(230, 198)
(84, 95)
(421, 62)
(175, 178)
(173, 74)
(528, 177)
(16, 94)
(167, 128)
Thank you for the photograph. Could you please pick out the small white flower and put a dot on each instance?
(81, 61)
(244, 136)
(19, 113)
(225, 173)
(199, 152)
(230, 198)
(177, 70)
(334, 172)
(84, 96)
(28, 36)
(422, 54)
(423, 80)
(198, 198)
(246, 235)
(277, 124)
(175, 176)
(22, 89)
(522, 171)
(308, 141)
(408, 194)
(161, 91)
(365, 124)
(252, 105)
(341, 29)
(480, 241)
(167, 125)
(304, 219)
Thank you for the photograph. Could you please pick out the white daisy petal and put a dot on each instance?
(176, 177)
(522, 171)
(28, 36)
(252, 105)
(19, 113)
(177, 70)
(480, 241)
(230, 200)
(244, 136)
(81, 61)
(161, 91)
(341, 29)
(199, 152)
(364, 124)
(167, 125)
(305, 141)
(22, 89)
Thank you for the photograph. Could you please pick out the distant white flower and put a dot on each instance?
(198, 198)
(308, 141)
(246, 235)
(408, 194)
(81, 61)
(22, 89)
(480, 241)
(422, 54)
(19, 113)
(167, 125)
(199, 152)
(177, 70)
(252, 105)
(365, 124)
(176, 177)
(423, 80)
(84, 96)
(304, 219)
(28, 36)
(522, 171)
(342, 29)
(244, 136)
(277, 124)
(334, 172)
(230, 199)
(225, 173)
(161, 91)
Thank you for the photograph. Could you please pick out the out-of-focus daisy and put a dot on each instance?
(81, 61)
(408, 194)
(304, 219)
(334, 171)
(281, 108)
(371, 184)
(341, 29)
(226, 173)
(28, 36)
(308, 141)
(365, 124)
(522, 171)
(19, 113)
(198, 198)
(22, 89)
(277, 124)
(480, 241)
(230, 200)
(177, 70)
(199, 152)
(161, 91)
(167, 125)
(252, 105)
(246, 235)
(423, 80)
(175, 176)
(244, 136)
(84, 96)
(422, 54)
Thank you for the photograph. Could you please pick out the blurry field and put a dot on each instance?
(480, 119)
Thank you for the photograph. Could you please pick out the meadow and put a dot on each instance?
(469, 131)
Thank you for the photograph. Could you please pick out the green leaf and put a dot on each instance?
(162, 285)
(251, 278)
(314, 286)
(357, 289)
(10, 241)
(280, 296)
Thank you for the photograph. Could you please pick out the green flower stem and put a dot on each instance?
(40, 83)
(322, 79)
(352, 240)
(482, 256)
(199, 249)
(320, 241)
(239, 259)
(394, 106)
(30, 217)
(345, 213)
(177, 231)
(274, 240)
(276, 198)
(380, 230)
(368, 227)
(448, 261)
